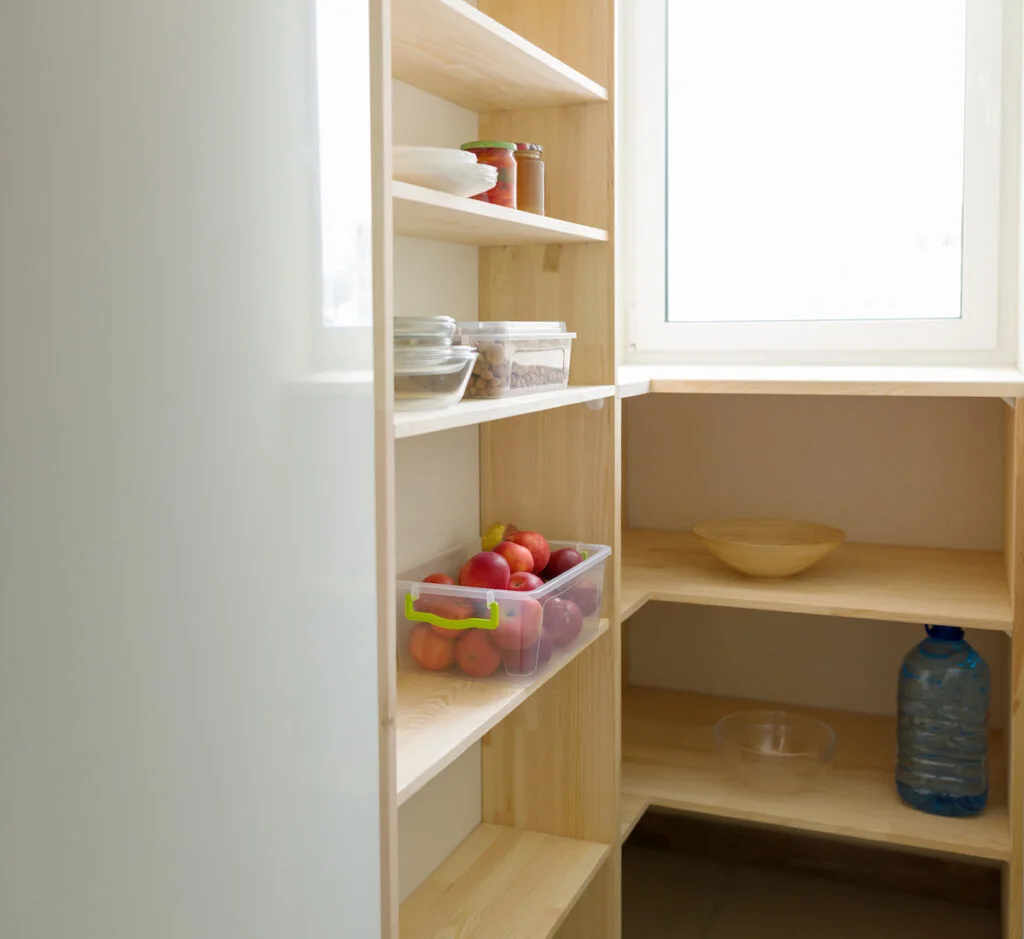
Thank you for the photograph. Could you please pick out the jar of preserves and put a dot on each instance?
(501, 155)
(530, 177)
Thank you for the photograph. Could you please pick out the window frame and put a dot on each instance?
(986, 332)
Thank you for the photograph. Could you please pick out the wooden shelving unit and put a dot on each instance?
(669, 760)
(426, 213)
(502, 882)
(883, 582)
(440, 716)
(467, 413)
(455, 51)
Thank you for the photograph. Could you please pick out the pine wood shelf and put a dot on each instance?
(907, 380)
(631, 810)
(669, 759)
(440, 716)
(438, 216)
(883, 582)
(467, 413)
(502, 883)
(452, 50)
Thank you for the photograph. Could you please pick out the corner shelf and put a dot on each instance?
(450, 49)
(440, 716)
(863, 581)
(502, 882)
(669, 760)
(469, 412)
(438, 216)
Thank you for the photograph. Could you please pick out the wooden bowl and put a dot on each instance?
(768, 547)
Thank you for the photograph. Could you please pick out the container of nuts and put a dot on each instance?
(516, 358)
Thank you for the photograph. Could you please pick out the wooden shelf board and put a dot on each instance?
(669, 759)
(452, 50)
(864, 581)
(919, 381)
(467, 412)
(441, 715)
(631, 810)
(502, 883)
(438, 216)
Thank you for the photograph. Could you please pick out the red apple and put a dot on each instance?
(536, 544)
(429, 650)
(476, 654)
(519, 557)
(562, 560)
(439, 579)
(519, 624)
(563, 621)
(523, 580)
(584, 594)
(527, 661)
(485, 569)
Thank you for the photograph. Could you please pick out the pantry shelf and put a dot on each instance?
(864, 581)
(438, 216)
(450, 49)
(502, 882)
(631, 810)
(467, 413)
(669, 759)
(440, 716)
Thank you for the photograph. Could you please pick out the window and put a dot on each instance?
(820, 178)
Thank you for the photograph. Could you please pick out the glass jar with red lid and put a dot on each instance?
(501, 155)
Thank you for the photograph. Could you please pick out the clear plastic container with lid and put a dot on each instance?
(516, 357)
(424, 331)
(431, 376)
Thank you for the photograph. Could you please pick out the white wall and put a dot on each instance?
(922, 471)
(188, 703)
(437, 477)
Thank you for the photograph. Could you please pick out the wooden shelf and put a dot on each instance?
(631, 810)
(882, 582)
(502, 883)
(912, 381)
(466, 413)
(452, 50)
(669, 759)
(426, 213)
(440, 716)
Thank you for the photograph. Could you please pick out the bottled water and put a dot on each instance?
(944, 692)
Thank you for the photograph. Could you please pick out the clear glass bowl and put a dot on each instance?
(775, 751)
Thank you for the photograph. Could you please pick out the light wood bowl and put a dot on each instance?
(768, 547)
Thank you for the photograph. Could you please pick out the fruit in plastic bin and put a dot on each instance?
(430, 650)
(439, 579)
(562, 560)
(536, 544)
(476, 654)
(584, 594)
(495, 535)
(519, 624)
(524, 580)
(526, 661)
(485, 569)
(519, 558)
(563, 621)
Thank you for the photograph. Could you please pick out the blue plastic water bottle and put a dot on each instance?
(944, 693)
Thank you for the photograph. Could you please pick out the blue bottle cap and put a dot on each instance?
(948, 633)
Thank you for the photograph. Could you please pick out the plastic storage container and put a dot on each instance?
(431, 376)
(424, 331)
(517, 358)
(483, 633)
(944, 694)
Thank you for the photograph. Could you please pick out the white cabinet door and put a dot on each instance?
(188, 692)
